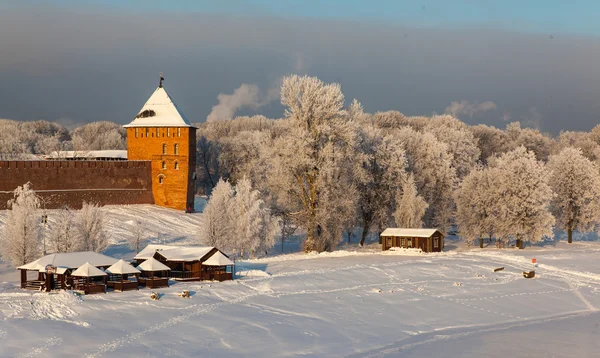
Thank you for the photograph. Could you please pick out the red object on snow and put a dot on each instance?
(533, 261)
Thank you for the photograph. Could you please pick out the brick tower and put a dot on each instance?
(161, 133)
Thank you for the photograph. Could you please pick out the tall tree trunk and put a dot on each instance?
(481, 242)
(570, 233)
(363, 236)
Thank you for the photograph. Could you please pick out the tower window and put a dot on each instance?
(137, 132)
(164, 165)
(157, 132)
(161, 179)
(168, 132)
(176, 148)
(179, 132)
(176, 165)
(164, 149)
(147, 132)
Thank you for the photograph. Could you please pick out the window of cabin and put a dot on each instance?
(161, 179)
(179, 132)
(137, 132)
(157, 132)
(409, 242)
(147, 132)
(168, 132)
(164, 149)
(389, 242)
(176, 148)
(402, 242)
(176, 165)
(164, 165)
(435, 242)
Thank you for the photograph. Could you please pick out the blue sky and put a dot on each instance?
(546, 16)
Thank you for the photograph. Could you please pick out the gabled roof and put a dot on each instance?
(159, 111)
(408, 232)
(122, 268)
(174, 253)
(153, 264)
(88, 270)
(70, 260)
(218, 259)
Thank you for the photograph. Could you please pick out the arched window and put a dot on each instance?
(179, 132)
(157, 132)
(168, 132)
(176, 148)
(164, 149)
(176, 165)
(147, 132)
(164, 165)
(161, 179)
(137, 132)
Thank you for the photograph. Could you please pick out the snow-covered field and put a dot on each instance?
(349, 303)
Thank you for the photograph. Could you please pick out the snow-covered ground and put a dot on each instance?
(345, 304)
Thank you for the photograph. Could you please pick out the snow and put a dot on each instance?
(88, 154)
(153, 264)
(88, 270)
(167, 114)
(122, 268)
(70, 260)
(362, 303)
(218, 259)
(408, 232)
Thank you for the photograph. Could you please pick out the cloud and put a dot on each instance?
(463, 107)
(245, 96)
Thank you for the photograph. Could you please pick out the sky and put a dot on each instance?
(484, 61)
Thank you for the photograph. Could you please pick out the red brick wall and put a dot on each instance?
(70, 183)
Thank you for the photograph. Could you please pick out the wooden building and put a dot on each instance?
(428, 240)
(53, 271)
(190, 263)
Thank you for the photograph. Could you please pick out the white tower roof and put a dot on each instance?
(159, 111)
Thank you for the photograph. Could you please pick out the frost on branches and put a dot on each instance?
(410, 206)
(217, 227)
(524, 197)
(91, 230)
(576, 184)
(63, 235)
(311, 167)
(21, 239)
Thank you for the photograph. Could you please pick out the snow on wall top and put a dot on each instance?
(153, 264)
(218, 259)
(71, 260)
(408, 232)
(117, 154)
(174, 253)
(159, 111)
(88, 270)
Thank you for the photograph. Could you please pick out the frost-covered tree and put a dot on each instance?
(490, 141)
(138, 236)
(476, 209)
(576, 184)
(410, 206)
(431, 164)
(247, 215)
(381, 166)
(63, 235)
(311, 167)
(99, 136)
(524, 197)
(20, 241)
(90, 224)
(217, 226)
(531, 139)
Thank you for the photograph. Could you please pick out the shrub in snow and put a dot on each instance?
(21, 239)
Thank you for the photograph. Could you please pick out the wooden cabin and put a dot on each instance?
(53, 272)
(428, 240)
(190, 263)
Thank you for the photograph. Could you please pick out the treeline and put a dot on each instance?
(18, 140)
(329, 169)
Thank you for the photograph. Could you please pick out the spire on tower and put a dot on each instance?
(161, 80)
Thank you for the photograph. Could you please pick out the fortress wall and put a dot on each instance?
(69, 183)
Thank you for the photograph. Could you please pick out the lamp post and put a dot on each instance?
(44, 221)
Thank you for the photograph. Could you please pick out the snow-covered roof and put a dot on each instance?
(153, 264)
(87, 154)
(122, 268)
(408, 232)
(218, 259)
(88, 270)
(175, 253)
(71, 260)
(159, 111)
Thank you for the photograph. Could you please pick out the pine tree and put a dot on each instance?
(21, 240)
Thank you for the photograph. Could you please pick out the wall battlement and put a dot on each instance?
(69, 183)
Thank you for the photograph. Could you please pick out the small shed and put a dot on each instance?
(154, 273)
(219, 267)
(123, 276)
(89, 279)
(428, 240)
